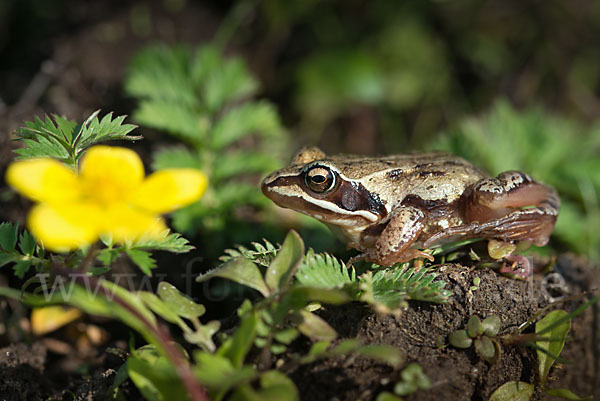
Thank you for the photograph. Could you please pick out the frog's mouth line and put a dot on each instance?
(287, 192)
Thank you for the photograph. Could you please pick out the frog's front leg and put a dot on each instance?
(393, 244)
(510, 207)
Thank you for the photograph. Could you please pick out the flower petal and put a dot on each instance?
(170, 189)
(110, 173)
(43, 180)
(65, 228)
(126, 224)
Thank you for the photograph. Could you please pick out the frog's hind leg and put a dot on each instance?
(511, 207)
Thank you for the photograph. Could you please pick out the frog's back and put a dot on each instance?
(429, 176)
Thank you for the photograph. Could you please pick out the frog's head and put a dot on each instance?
(312, 184)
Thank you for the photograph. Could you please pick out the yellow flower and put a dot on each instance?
(109, 195)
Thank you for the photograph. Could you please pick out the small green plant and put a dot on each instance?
(205, 100)
(412, 379)
(482, 334)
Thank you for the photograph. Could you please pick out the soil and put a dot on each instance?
(422, 331)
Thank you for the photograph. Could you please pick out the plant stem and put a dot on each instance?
(160, 334)
(88, 259)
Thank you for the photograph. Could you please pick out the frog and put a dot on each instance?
(395, 208)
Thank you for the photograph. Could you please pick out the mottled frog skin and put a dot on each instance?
(390, 207)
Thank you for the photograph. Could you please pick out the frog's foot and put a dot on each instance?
(510, 207)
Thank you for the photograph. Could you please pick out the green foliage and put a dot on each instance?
(20, 250)
(203, 99)
(548, 351)
(481, 334)
(551, 149)
(65, 140)
(261, 254)
(390, 288)
(513, 391)
(413, 379)
(324, 270)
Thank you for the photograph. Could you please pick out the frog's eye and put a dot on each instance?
(320, 179)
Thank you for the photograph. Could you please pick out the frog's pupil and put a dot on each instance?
(318, 179)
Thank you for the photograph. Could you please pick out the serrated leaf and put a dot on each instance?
(243, 162)
(229, 83)
(161, 308)
(555, 347)
(513, 391)
(174, 118)
(27, 243)
(178, 302)
(142, 259)
(323, 270)
(261, 254)
(242, 271)
(176, 157)
(170, 242)
(22, 267)
(315, 327)
(255, 117)
(283, 267)
(8, 236)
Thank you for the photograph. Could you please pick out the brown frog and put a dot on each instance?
(390, 207)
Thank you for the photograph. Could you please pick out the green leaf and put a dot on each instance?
(460, 339)
(559, 332)
(203, 335)
(156, 379)
(142, 259)
(277, 386)
(283, 267)
(323, 270)
(474, 327)
(238, 345)
(413, 379)
(316, 294)
(8, 236)
(226, 84)
(6, 258)
(169, 242)
(161, 308)
(219, 375)
(175, 118)
(315, 327)
(176, 157)
(179, 303)
(286, 336)
(566, 394)
(385, 353)
(242, 271)
(27, 243)
(491, 325)
(386, 396)
(486, 349)
(22, 267)
(513, 391)
(389, 288)
(259, 117)
(261, 254)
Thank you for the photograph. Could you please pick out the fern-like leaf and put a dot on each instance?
(324, 271)
(261, 254)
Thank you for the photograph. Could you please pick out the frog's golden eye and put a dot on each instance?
(320, 179)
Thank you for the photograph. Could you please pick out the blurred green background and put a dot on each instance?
(509, 85)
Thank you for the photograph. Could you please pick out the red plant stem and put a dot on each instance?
(194, 388)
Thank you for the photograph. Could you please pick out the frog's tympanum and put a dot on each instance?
(390, 207)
